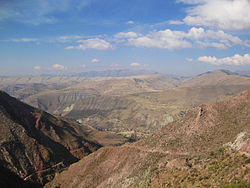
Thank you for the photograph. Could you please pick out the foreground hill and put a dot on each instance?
(209, 147)
(35, 144)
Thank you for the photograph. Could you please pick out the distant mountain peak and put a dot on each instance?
(224, 71)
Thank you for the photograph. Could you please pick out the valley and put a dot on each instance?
(187, 152)
(77, 131)
(130, 106)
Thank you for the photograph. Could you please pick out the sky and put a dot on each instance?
(181, 37)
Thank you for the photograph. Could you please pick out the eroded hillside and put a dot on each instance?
(34, 144)
(208, 147)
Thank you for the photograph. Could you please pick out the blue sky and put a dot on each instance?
(183, 37)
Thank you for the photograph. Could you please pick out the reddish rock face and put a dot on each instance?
(35, 144)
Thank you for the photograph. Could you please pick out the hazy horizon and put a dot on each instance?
(140, 72)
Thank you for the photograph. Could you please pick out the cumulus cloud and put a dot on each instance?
(234, 60)
(36, 67)
(59, 67)
(126, 35)
(95, 60)
(135, 64)
(161, 39)
(200, 37)
(222, 14)
(96, 43)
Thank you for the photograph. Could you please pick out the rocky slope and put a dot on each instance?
(209, 147)
(34, 144)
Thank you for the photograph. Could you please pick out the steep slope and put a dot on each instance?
(209, 147)
(34, 144)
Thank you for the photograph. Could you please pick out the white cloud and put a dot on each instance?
(161, 39)
(130, 22)
(200, 37)
(69, 38)
(234, 60)
(211, 44)
(72, 38)
(176, 22)
(59, 67)
(95, 60)
(135, 64)
(126, 35)
(24, 40)
(96, 43)
(216, 39)
(222, 14)
(83, 66)
(37, 68)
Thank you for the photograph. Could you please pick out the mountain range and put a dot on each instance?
(75, 131)
(134, 105)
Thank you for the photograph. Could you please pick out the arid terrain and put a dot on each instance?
(209, 147)
(125, 105)
(191, 132)
(124, 94)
